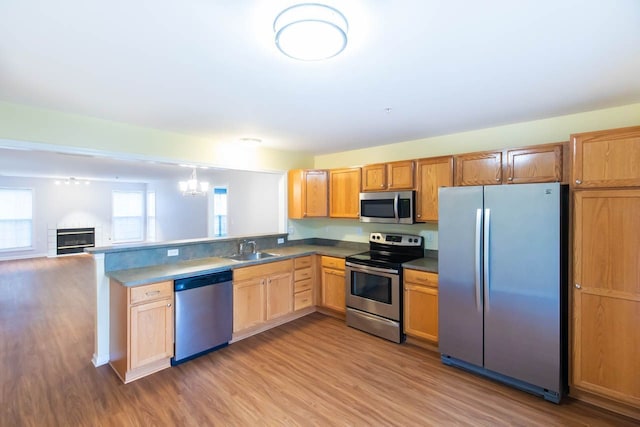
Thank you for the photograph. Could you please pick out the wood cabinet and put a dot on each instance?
(479, 168)
(431, 174)
(606, 158)
(333, 283)
(141, 329)
(388, 176)
(538, 163)
(303, 282)
(421, 304)
(308, 192)
(606, 294)
(261, 293)
(344, 193)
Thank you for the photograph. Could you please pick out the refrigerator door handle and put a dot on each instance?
(478, 257)
(487, 224)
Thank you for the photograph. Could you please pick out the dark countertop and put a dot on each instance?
(424, 264)
(195, 267)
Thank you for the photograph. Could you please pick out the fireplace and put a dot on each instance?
(74, 240)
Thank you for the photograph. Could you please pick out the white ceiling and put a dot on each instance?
(210, 68)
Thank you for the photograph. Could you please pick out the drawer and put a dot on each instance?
(303, 300)
(302, 285)
(302, 262)
(302, 274)
(150, 292)
(421, 277)
(333, 262)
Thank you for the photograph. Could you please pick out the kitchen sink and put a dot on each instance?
(253, 256)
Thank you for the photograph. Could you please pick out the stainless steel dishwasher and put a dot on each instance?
(203, 314)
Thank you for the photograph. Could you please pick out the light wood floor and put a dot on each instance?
(313, 371)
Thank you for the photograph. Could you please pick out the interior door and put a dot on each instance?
(460, 314)
(522, 282)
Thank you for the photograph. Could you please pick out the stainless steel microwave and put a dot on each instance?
(389, 207)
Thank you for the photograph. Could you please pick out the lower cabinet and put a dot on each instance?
(333, 283)
(303, 282)
(261, 293)
(141, 329)
(421, 304)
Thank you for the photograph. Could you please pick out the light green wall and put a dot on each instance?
(53, 128)
(355, 231)
(554, 129)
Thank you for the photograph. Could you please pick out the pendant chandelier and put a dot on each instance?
(193, 187)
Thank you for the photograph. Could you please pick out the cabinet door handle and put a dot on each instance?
(578, 286)
(169, 305)
(510, 178)
(497, 179)
(578, 182)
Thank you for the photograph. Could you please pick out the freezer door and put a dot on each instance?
(522, 282)
(459, 273)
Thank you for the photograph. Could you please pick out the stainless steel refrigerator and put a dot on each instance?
(502, 273)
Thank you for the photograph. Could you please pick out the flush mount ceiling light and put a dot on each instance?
(193, 187)
(311, 31)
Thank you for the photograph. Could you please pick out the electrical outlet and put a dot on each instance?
(429, 236)
(280, 240)
(173, 252)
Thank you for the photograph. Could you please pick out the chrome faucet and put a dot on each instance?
(243, 245)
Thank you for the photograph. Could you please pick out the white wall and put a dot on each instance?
(178, 217)
(254, 200)
(66, 206)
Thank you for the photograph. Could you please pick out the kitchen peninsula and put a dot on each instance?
(152, 263)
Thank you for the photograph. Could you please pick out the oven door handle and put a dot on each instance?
(370, 269)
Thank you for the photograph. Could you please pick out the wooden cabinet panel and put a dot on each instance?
(307, 193)
(150, 292)
(303, 300)
(606, 294)
(141, 322)
(303, 273)
(606, 158)
(400, 175)
(344, 193)
(248, 303)
(421, 304)
(333, 283)
(421, 311)
(279, 295)
(262, 270)
(388, 176)
(374, 177)
(478, 168)
(151, 332)
(302, 262)
(431, 174)
(535, 164)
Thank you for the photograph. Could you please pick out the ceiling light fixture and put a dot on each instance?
(311, 31)
(193, 187)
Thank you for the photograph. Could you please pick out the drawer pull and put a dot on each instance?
(152, 293)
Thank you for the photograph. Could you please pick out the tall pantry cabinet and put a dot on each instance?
(606, 269)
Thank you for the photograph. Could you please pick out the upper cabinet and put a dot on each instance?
(388, 176)
(344, 193)
(534, 164)
(431, 174)
(307, 193)
(479, 168)
(539, 163)
(608, 158)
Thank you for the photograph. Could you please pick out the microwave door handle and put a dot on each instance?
(396, 202)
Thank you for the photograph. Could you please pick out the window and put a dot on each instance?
(151, 216)
(219, 211)
(128, 219)
(16, 219)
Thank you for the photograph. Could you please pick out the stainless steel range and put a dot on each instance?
(374, 284)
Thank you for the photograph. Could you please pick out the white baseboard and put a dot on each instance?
(100, 359)
(16, 257)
